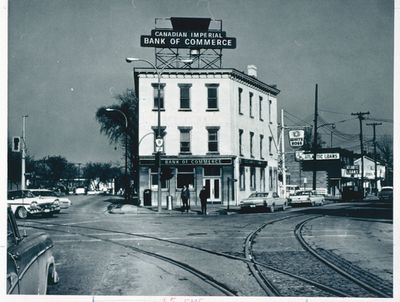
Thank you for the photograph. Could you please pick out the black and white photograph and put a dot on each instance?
(193, 150)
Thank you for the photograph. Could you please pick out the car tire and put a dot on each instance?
(272, 208)
(21, 213)
(284, 206)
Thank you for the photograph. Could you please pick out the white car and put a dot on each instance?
(308, 197)
(65, 203)
(265, 200)
(24, 203)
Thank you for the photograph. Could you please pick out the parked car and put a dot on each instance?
(30, 261)
(80, 190)
(65, 203)
(24, 203)
(386, 193)
(308, 197)
(291, 189)
(265, 200)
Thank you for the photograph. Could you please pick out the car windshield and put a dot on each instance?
(44, 193)
(303, 193)
(258, 195)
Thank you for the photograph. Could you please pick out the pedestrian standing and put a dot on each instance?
(203, 200)
(185, 195)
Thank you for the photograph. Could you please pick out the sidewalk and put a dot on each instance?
(212, 209)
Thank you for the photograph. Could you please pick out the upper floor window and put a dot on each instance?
(213, 139)
(184, 96)
(260, 108)
(240, 141)
(240, 100)
(185, 139)
(251, 143)
(212, 96)
(251, 104)
(155, 94)
(270, 111)
(261, 146)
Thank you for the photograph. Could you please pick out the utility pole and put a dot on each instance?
(283, 155)
(374, 139)
(314, 184)
(360, 116)
(23, 153)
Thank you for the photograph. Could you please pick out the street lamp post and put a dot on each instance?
(126, 150)
(158, 153)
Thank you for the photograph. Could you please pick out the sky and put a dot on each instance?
(66, 59)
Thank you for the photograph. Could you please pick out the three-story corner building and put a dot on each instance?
(219, 128)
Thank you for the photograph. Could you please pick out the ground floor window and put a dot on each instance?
(212, 171)
(154, 180)
(185, 177)
(252, 178)
(262, 179)
(242, 178)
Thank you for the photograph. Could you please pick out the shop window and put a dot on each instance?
(184, 96)
(155, 94)
(240, 100)
(240, 142)
(212, 139)
(270, 179)
(260, 108)
(251, 144)
(270, 145)
(252, 178)
(262, 179)
(154, 180)
(242, 178)
(185, 177)
(251, 104)
(185, 139)
(212, 97)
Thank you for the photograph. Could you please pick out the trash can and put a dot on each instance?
(147, 197)
(169, 202)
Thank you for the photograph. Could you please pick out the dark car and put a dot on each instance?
(386, 193)
(30, 262)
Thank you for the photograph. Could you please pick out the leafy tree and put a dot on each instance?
(100, 172)
(385, 147)
(112, 124)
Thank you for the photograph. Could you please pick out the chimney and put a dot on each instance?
(252, 70)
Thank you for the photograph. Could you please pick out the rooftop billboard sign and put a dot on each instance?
(188, 33)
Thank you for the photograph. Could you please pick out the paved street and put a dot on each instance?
(137, 251)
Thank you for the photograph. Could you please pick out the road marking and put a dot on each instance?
(88, 221)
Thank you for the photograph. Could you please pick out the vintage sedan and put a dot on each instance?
(386, 193)
(30, 261)
(264, 200)
(65, 203)
(306, 197)
(24, 203)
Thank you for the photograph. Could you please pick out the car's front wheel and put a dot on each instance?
(272, 208)
(21, 213)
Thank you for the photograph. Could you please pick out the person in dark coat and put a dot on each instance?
(203, 199)
(185, 196)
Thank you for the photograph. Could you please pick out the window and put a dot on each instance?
(213, 139)
(240, 100)
(185, 177)
(184, 96)
(242, 178)
(154, 180)
(270, 179)
(261, 146)
(185, 139)
(270, 111)
(251, 104)
(260, 111)
(252, 178)
(155, 94)
(240, 142)
(251, 144)
(262, 179)
(212, 171)
(212, 96)
(270, 145)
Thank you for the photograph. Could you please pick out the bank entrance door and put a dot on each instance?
(213, 189)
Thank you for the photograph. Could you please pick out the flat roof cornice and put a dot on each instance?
(222, 71)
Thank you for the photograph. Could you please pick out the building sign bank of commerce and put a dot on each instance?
(187, 39)
(197, 161)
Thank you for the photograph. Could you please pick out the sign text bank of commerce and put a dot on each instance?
(187, 39)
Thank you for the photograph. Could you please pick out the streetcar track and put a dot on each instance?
(364, 284)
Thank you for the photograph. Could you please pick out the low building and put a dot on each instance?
(218, 129)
